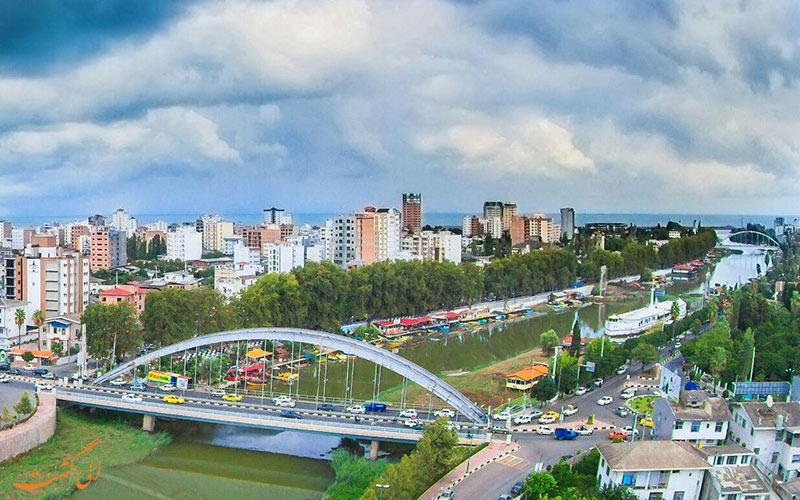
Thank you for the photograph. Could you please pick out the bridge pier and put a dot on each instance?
(374, 448)
(149, 423)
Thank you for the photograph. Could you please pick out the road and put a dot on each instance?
(497, 478)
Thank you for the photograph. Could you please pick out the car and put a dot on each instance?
(282, 397)
(551, 413)
(536, 413)
(233, 398)
(630, 430)
(356, 410)
(48, 376)
(517, 488)
(516, 409)
(4, 367)
(290, 414)
(411, 422)
(580, 391)
(622, 411)
(14, 371)
(408, 413)
(618, 434)
(173, 399)
(445, 412)
(570, 410)
(503, 415)
(565, 434)
(43, 386)
(138, 386)
(218, 392)
(605, 400)
(285, 403)
(118, 381)
(131, 398)
(167, 388)
(4, 379)
(415, 424)
(39, 371)
(598, 382)
(453, 426)
(627, 394)
(545, 431)
(447, 495)
(678, 345)
(523, 419)
(589, 388)
(500, 429)
(505, 497)
(326, 407)
(29, 367)
(646, 421)
(584, 431)
(622, 369)
(546, 419)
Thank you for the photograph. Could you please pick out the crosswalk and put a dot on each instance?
(515, 462)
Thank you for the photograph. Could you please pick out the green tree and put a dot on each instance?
(274, 300)
(745, 356)
(549, 340)
(575, 344)
(644, 353)
(538, 485)
(112, 331)
(27, 356)
(38, 320)
(5, 416)
(719, 361)
(544, 389)
(24, 405)
(19, 319)
(58, 349)
(674, 313)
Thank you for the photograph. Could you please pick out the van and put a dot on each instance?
(375, 407)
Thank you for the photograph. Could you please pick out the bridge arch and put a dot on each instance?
(379, 356)
(729, 241)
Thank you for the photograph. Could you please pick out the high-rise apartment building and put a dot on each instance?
(184, 243)
(344, 240)
(277, 216)
(509, 212)
(214, 234)
(412, 212)
(122, 221)
(471, 226)
(524, 228)
(493, 209)
(108, 249)
(567, 223)
(377, 235)
(56, 284)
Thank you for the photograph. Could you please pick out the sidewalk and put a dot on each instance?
(493, 452)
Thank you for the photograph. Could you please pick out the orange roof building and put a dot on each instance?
(527, 377)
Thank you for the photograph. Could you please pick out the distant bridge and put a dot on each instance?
(750, 239)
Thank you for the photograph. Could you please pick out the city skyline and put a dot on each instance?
(342, 103)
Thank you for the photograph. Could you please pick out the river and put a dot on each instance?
(207, 461)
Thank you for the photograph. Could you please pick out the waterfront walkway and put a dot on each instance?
(493, 452)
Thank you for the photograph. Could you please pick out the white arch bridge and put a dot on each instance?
(750, 239)
(364, 350)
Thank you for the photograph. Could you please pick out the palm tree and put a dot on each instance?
(19, 319)
(38, 320)
(718, 361)
(674, 312)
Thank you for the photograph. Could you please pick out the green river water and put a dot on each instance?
(213, 462)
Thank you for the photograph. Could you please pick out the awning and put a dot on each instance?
(257, 353)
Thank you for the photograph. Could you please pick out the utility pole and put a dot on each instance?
(752, 364)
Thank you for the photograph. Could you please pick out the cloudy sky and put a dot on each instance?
(326, 105)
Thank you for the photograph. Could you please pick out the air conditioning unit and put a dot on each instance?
(693, 403)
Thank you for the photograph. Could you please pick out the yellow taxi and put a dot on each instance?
(551, 413)
(646, 421)
(234, 398)
(173, 399)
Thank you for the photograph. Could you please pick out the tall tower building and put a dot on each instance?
(412, 212)
(567, 223)
(509, 212)
(493, 209)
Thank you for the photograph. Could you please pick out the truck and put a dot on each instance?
(163, 378)
(375, 407)
(565, 434)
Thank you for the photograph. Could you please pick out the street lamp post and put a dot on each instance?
(382, 487)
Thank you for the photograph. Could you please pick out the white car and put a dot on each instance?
(167, 388)
(131, 398)
(49, 376)
(584, 431)
(598, 382)
(580, 391)
(282, 397)
(545, 431)
(218, 392)
(411, 423)
(453, 426)
(118, 381)
(523, 419)
(44, 386)
(630, 430)
(622, 369)
(605, 400)
(627, 394)
(547, 419)
(356, 410)
(445, 412)
(570, 410)
(678, 345)
(4, 379)
(29, 367)
(503, 415)
(408, 413)
(285, 403)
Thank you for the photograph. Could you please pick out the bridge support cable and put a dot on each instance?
(263, 369)
(325, 379)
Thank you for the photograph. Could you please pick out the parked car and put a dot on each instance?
(43, 386)
(627, 394)
(523, 419)
(618, 434)
(565, 434)
(173, 399)
(646, 421)
(605, 400)
(570, 410)
(580, 391)
(375, 407)
(445, 412)
(119, 381)
(48, 376)
(28, 367)
(622, 369)
(500, 429)
(39, 371)
(131, 398)
(503, 415)
(408, 413)
(290, 414)
(544, 431)
(584, 431)
(167, 388)
(622, 411)
(517, 488)
(326, 407)
(551, 413)
(4, 367)
(546, 419)
(356, 410)
(598, 382)
(14, 371)
(630, 430)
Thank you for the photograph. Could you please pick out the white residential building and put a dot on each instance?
(695, 417)
(8, 327)
(184, 243)
(732, 475)
(282, 257)
(123, 222)
(55, 284)
(344, 240)
(772, 432)
(231, 242)
(230, 283)
(246, 256)
(326, 239)
(429, 245)
(669, 470)
(316, 252)
(493, 226)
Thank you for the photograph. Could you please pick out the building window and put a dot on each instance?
(678, 495)
(751, 431)
(757, 451)
(679, 424)
(778, 435)
(795, 459)
(695, 426)
(719, 460)
(731, 460)
(628, 479)
(745, 459)
(719, 426)
(655, 496)
(774, 458)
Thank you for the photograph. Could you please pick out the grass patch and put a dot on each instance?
(642, 404)
(119, 444)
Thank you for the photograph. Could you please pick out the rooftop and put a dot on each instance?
(741, 479)
(117, 292)
(728, 449)
(531, 373)
(789, 489)
(698, 405)
(765, 416)
(651, 455)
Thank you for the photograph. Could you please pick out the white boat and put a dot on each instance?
(621, 327)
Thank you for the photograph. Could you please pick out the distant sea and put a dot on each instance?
(437, 219)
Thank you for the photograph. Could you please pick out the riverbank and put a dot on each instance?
(119, 443)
